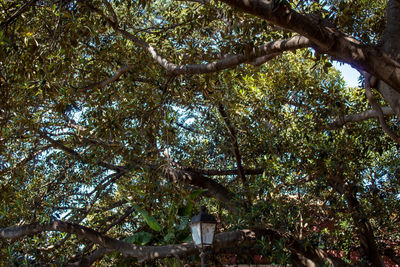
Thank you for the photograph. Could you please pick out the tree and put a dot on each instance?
(119, 118)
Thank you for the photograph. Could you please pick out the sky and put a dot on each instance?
(349, 74)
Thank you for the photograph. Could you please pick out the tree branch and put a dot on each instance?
(88, 260)
(58, 144)
(128, 211)
(17, 13)
(378, 109)
(225, 172)
(325, 38)
(365, 115)
(365, 230)
(214, 189)
(76, 229)
(223, 242)
(235, 145)
(257, 56)
(112, 79)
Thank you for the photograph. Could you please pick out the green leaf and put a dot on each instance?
(189, 238)
(196, 193)
(141, 238)
(183, 224)
(185, 210)
(150, 220)
(169, 237)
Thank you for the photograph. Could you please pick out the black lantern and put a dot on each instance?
(203, 228)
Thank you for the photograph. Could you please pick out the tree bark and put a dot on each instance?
(391, 46)
(224, 243)
(365, 115)
(326, 39)
(214, 189)
(365, 231)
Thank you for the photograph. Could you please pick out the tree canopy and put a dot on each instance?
(120, 118)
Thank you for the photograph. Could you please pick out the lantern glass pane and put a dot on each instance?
(208, 233)
(196, 233)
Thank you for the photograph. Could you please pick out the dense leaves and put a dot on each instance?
(98, 154)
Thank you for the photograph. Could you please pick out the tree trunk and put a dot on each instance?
(391, 46)
(365, 231)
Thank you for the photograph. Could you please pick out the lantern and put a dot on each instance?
(203, 228)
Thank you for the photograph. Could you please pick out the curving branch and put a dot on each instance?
(112, 79)
(16, 232)
(256, 56)
(214, 189)
(378, 109)
(362, 116)
(325, 38)
(224, 242)
(315, 32)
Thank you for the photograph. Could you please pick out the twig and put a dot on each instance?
(235, 145)
(112, 79)
(17, 13)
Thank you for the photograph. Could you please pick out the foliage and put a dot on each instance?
(95, 155)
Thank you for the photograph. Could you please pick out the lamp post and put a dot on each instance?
(203, 229)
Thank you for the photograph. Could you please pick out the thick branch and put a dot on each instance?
(226, 172)
(257, 56)
(378, 109)
(362, 116)
(76, 229)
(391, 46)
(223, 242)
(326, 38)
(214, 189)
(365, 231)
